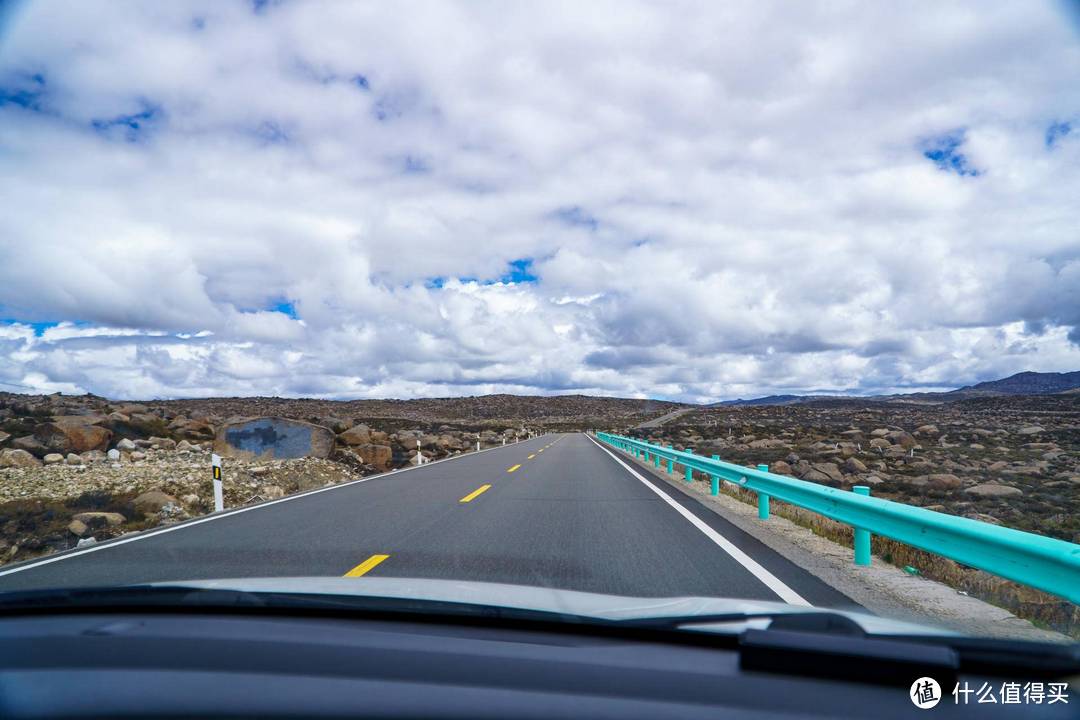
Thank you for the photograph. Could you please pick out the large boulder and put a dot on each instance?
(273, 438)
(79, 420)
(378, 456)
(78, 528)
(13, 457)
(780, 467)
(946, 481)
(994, 490)
(448, 442)
(139, 425)
(30, 444)
(901, 438)
(358, 435)
(817, 477)
(854, 465)
(153, 501)
(196, 430)
(96, 519)
(829, 470)
(63, 437)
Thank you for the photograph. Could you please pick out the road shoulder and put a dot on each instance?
(883, 589)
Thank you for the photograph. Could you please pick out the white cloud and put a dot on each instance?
(716, 200)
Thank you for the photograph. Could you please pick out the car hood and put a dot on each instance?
(601, 607)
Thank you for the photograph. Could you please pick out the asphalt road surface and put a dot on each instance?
(558, 511)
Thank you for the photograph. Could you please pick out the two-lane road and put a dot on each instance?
(557, 511)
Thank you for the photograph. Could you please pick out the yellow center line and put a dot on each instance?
(543, 449)
(532, 456)
(471, 496)
(366, 565)
(513, 468)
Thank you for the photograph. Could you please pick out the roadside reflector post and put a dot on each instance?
(715, 490)
(219, 499)
(763, 499)
(477, 443)
(862, 537)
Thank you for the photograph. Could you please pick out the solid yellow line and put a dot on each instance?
(474, 493)
(513, 468)
(532, 456)
(366, 565)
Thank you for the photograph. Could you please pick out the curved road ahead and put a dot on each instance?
(559, 510)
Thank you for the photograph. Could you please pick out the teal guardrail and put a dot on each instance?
(1039, 562)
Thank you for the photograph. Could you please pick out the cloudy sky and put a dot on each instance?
(694, 201)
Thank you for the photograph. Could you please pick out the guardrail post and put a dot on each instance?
(862, 537)
(763, 499)
(656, 460)
(689, 472)
(715, 480)
(671, 463)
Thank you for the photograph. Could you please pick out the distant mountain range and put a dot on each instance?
(1025, 383)
(1028, 383)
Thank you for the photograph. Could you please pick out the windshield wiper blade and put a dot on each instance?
(811, 621)
(186, 598)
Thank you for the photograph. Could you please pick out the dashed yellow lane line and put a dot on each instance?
(513, 468)
(365, 566)
(532, 456)
(472, 496)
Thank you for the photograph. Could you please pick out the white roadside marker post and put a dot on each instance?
(219, 500)
(419, 455)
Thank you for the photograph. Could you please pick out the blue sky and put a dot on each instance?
(619, 198)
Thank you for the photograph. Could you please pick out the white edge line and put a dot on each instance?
(771, 581)
(229, 513)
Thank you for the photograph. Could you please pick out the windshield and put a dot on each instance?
(609, 310)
